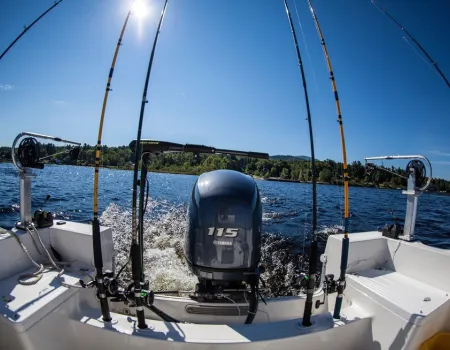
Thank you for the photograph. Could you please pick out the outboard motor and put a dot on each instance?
(223, 242)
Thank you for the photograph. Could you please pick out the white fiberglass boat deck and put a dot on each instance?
(396, 298)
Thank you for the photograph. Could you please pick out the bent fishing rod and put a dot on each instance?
(313, 250)
(136, 253)
(28, 27)
(434, 63)
(345, 240)
(96, 238)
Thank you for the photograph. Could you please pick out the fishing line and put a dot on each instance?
(96, 238)
(267, 315)
(420, 56)
(306, 47)
(124, 266)
(434, 63)
(394, 173)
(26, 28)
(56, 154)
(390, 199)
(239, 309)
(345, 240)
(313, 249)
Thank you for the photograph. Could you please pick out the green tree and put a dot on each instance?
(273, 172)
(325, 175)
(284, 173)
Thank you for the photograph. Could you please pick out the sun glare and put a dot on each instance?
(140, 9)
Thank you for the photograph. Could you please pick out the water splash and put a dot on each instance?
(163, 234)
(164, 264)
(326, 231)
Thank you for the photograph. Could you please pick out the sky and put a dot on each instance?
(225, 74)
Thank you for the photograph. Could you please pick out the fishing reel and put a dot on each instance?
(117, 294)
(110, 284)
(330, 284)
(29, 152)
(420, 172)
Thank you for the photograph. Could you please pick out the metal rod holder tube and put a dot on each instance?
(411, 208)
(25, 177)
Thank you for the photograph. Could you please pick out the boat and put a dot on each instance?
(396, 294)
(65, 291)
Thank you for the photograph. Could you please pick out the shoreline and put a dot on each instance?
(273, 179)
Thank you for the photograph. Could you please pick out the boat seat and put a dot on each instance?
(22, 306)
(409, 298)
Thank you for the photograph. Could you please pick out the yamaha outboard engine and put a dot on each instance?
(223, 243)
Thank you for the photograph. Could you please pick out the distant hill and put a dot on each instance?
(287, 157)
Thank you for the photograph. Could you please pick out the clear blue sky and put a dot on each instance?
(225, 74)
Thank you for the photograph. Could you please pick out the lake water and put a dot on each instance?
(286, 216)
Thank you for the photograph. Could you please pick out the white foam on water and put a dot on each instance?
(163, 261)
(326, 231)
(165, 226)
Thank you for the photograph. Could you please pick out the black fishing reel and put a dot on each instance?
(117, 294)
(110, 284)
(29, 152)
(420, 171)
(330, 284)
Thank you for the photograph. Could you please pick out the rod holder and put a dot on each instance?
(25, 177)
(411, 207)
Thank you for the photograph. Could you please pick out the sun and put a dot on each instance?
(140, 9)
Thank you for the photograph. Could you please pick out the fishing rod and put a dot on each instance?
(136, 252)
(345, 240)
(96, 238)
(415, 42)
(313, 252)
(159, 147)
(28, 27)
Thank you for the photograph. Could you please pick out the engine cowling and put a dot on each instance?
(223, 242)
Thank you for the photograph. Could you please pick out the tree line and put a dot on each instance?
(288, 169)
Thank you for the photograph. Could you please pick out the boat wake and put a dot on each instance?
(164, 264)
